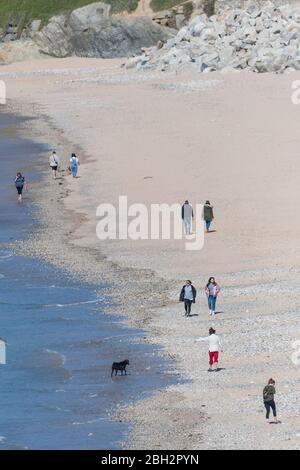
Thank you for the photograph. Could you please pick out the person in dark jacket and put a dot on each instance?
(19, 183)
(188, 296)
(208, 215)
(268, 397)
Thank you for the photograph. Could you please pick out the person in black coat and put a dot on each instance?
(188, 296)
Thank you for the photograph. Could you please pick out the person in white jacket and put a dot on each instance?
(214, 347)
(54, 163)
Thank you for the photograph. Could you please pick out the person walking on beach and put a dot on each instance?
(187, 215)
(212, 290)
(268, 397)
(208, 215)
(188, 296)
(74, 163)
(19, 183)
(214, 348)
(54, 162)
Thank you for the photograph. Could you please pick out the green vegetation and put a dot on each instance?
(188, 9)
(160, 5)
(22, 12)
(209, 7)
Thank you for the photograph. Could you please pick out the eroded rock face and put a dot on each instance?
(53, 38)
(264, 37)
(91, 32)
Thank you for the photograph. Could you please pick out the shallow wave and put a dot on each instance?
(58, 359)
(73, 304)
(91, 421)
(47, 362)
(1, 276)
(6, 255)
(39, 305)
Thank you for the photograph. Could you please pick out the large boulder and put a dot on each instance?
(89, 17)
(118, 37)
(91, 32)
(53, 39)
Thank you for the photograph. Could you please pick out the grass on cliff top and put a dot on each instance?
(22, 12)
(160, 5)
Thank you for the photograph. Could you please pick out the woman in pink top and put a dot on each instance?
(212, 290)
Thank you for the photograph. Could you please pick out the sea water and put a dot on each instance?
(55, 390)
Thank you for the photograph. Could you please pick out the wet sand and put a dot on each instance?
(232, 139)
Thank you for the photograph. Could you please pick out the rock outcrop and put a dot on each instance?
(18, 51)
(91, 32)
(176, 17)
(262, 38)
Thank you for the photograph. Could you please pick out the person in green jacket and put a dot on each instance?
(208, 215)
(268, 397)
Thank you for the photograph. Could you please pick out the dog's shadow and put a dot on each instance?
(119, 376)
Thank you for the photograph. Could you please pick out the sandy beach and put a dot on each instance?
(162, 138)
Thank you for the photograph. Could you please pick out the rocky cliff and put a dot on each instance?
(90, 31)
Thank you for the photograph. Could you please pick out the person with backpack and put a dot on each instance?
(54, 163)
(187, 215)
(214, 348)
(188, 296)
(212, 290)
(20, 183)
(268, 397)
(208, 215)
(74, 163)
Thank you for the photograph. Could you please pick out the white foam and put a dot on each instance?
(59, 355)
(6, 255)
(91, 421)
(95, 301)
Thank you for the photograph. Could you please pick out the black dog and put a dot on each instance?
(119, 366)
